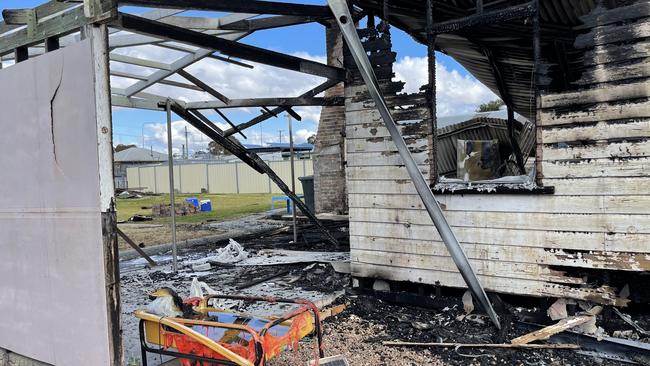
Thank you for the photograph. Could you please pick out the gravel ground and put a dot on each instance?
(354, 338)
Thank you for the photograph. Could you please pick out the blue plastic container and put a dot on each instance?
(206, 206)
(193, 200)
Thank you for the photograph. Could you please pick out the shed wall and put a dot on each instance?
(217, 178)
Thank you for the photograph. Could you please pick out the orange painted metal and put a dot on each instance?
(255, 346)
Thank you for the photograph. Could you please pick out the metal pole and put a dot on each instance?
(293, 180)
(346, 24)
(187, 145)
(172, 195)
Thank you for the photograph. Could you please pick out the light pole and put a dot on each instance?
(293, 180)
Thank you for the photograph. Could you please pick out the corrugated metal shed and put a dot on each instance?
(136, 154)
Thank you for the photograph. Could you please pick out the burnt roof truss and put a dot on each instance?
(164, 26)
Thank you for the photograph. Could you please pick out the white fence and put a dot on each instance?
(216, 177)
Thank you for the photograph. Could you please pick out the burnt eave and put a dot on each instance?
(510, 43)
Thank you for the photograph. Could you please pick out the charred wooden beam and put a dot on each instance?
(431, 93)
(485, 18)
(65, 23)
(250, 158)
(513, 141)
(248, 6)
(20, 16)
(261, 118)
(135, 246)
(42, 11)
(293, 113)
(52, 44)
(228, 121)
(214, 132)
(21, 54)
(269, 22)
(164, 82)
(207, 88)
(231, 48)
(229, 60)
(505, 96)
(259, 102)
(139, 61)
(267, 110)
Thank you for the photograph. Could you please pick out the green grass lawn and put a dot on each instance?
(224, 206)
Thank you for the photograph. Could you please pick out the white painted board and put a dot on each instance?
(53, 304)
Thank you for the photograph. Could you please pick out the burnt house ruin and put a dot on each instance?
(575, 230)
(552, 205)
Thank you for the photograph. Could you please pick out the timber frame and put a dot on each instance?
(54, 24)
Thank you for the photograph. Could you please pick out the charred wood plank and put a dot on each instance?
(248, 6)
(261, 118)
(269, 22)
(228, 121)
(135, 246)
(231, 48)
(258, 102)
(21, 54)
(488, 17)
(65, 23)
(207, 88)
(52, 44)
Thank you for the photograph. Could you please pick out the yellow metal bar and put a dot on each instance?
(170, 322)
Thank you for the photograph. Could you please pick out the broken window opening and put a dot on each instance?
(493, 150)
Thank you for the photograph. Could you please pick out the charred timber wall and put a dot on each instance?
(329, 158)
(593, 148)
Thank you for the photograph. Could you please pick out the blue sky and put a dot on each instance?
(458, 92)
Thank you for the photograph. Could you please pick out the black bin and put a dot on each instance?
(308, 191)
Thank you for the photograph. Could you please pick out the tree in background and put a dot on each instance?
(218, 150)
(121, 147)
(311, 139)
(494, 105)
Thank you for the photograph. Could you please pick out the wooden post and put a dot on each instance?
(21, 54)
(537, 52)
(98, 36)
(51, 44)
(431, 94)
(172, 193)
(293, 180)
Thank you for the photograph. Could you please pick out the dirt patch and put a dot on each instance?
(156, 234)
(354, 337)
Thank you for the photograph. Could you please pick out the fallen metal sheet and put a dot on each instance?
(272, 257)
(346, 24)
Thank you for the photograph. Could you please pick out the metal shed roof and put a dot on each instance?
(137, 154)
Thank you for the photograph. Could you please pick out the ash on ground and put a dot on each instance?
(357, 332)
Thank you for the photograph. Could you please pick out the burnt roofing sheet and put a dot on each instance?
(510, 42)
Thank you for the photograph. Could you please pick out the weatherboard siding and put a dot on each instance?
(593, 147)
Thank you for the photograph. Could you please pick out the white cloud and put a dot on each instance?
(231, 80)
(302, 135)
(455, 93)
(155, 135)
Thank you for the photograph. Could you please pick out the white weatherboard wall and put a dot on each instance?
(53, 305)
(528, 244)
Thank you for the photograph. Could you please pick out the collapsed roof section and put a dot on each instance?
(493, 39)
